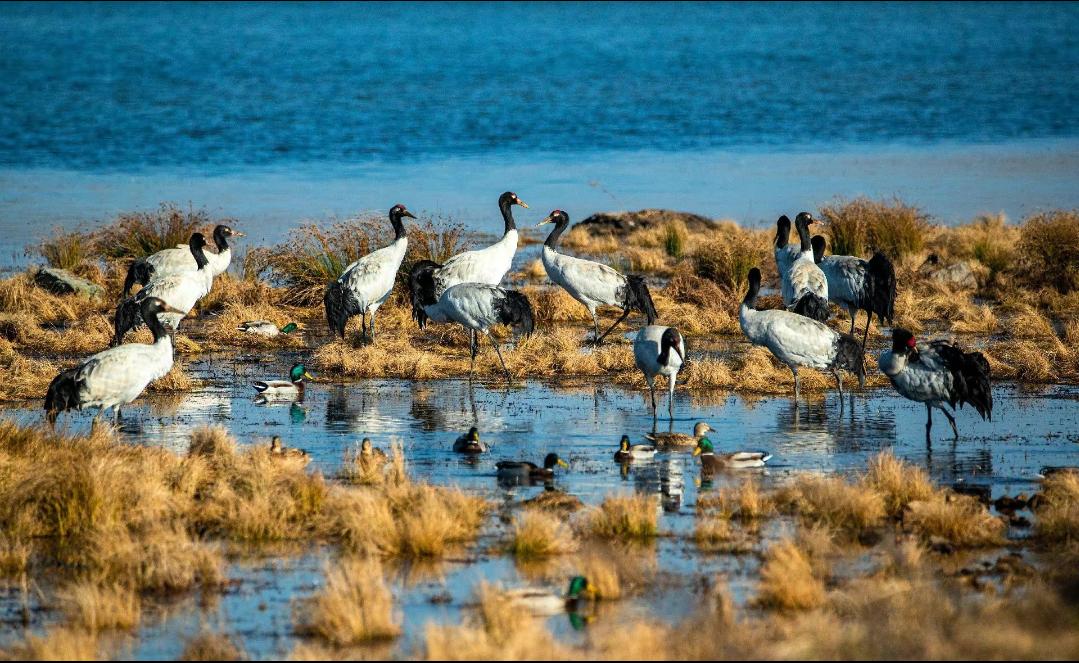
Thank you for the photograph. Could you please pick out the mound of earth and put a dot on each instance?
(624, 223)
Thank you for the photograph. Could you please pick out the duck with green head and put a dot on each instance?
(523, 471)
(628, 452)
(293, 387)
(541, 602)
(266, 328)
(470, 443)
(711, 461)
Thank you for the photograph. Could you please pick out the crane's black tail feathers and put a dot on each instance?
(812, 305)
(882, 288)
(62, 395)
(515, 309)
(970, 378)
(850, 356)
(139, 272)
(339, 307)
(638, 298)
(421, 288)
(128, 317)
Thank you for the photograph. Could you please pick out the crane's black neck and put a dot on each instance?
(818, 248)
(221, 241)
(200, 256)
(157, 328)
(397, 223)
(783, 231)
(754, 288)
(803, 235)
(556, 232)
(506, 205)
(668, 341)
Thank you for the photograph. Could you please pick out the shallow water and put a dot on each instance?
(582, 422)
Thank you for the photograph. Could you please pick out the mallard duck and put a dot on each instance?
(285, 388)
(627, 452)
(469, 443)
(368, 450)
(711, 461)
(527, 470)
(544, 603)
(680, 439)
(266, 328)
(277, 448)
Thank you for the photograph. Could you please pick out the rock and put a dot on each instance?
(941, 545)
(63, 282)
(958, 275)
(624, 223)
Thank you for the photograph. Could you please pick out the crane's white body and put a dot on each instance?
(804, 276)
(785, 257)
(371, 278)
(591, 283)
(482, 266)
(173, 262)
(646, 351)
(794, 339)
(927, 380)
(181, 291)
(471, 305)
(116, 377)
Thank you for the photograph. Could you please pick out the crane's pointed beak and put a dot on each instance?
(408, 214)
(237, 233)
(549, 219)
(522, 203)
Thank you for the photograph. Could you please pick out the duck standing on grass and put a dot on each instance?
(799, 341)
(660, 350)
(266, 328)
(367, 283)
(291, 388)
(594, 284)
(469, 443)
(711, 461)
(115, 377)
(680, 439)
(938, 374)
(629, 452)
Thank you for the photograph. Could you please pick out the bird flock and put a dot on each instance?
(466, 290)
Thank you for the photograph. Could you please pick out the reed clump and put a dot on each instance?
(860, 226)
(212, 646)
(1058, 513)
(960, 519)
(787, 580)
(353, 607)
(832, 502)
(535, 534)
(624, 517)
(898, 482)
(97, 607)
(1049, 246)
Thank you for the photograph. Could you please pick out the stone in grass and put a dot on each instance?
(63, 282)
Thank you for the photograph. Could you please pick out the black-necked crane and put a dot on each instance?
(182, 291)
(858, 285)
(594, 284)
(174, 261)
(938, 374)
(785, 252)
(803, 285)
(799, 341)
(115, 377)
(478, 307)
(367, 283)
(660, 350)
(487, 265)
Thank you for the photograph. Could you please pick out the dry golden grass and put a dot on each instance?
(56, 644)
(897, 481)
(14, 557)
(787, 581)
(24, 378)
(745, 502)
(860, 226)
(624, 517)
(833, 502)
(961, 520)
(210, 646)
(354, 605)
(538, 534)
(1058, 515)
(1049, 247)
(101, 607)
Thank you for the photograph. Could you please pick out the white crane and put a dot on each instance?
(804, 286)
(799, 341)
(785, 253)
(937, 374)
(858, 285)
(592, 283)
(115, 377)
(660, 350)
(487, 265)
(170, 262)
(181, 290)
(478, 307)
(367, 283)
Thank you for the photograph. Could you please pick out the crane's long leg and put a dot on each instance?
(474, 349)
(670, 395)
(838, 384)
(928, 423)
(797, 383)
(853, 315)
(500, 360)
(363, 325)
(865, 337)
(652, 390)
(372, 326)
(616, 323)
(951, 420)
(595, 327)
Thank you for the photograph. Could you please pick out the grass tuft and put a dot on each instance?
(860, 226)
(354, 606)
(632, 517)
(538, 534)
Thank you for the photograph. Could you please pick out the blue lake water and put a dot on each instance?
(274, 113)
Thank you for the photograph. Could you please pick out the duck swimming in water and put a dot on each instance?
(628, 452)
(470, 443)
(291, 388)
(525, 470)
(680, 439)
(711, 461)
